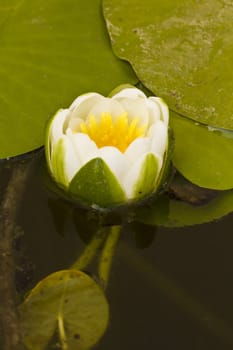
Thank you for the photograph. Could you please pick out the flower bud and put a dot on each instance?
(106, 151)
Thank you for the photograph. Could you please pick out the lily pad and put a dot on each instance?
(182, 50)
(184, 214)
(50, 52)
(68, 302)
(203, 155)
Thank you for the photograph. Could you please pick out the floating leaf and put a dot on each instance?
(68, 302)
(182, 214)
(50, 52)
(182, 50)
(203, 155)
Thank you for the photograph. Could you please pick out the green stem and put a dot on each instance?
(90, 251)
(106, 257)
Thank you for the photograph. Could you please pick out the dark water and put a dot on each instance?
(169, 289)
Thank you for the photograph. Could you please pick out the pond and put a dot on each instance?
(127, 106)
(168, 287)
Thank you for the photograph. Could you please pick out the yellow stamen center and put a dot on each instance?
(108, 132)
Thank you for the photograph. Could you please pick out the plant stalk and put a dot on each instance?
(107, 254)
(90, 250)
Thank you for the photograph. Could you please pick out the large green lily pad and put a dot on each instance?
(50, 52)
(182, 50)
(202, 154)
(68, 302)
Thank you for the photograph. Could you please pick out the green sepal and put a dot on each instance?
(146, 181)
(95, 184)
(162, 182)
(58, 165)
(166, 173)
(47, 139)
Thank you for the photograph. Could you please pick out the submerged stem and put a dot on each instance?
(106, 257)
(90, 250)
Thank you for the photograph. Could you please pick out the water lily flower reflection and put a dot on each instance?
(108, 150)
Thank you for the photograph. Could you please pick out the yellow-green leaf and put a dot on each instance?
(50, 52)
(203, 155)
(69, 303)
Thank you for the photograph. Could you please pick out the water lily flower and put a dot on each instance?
(106, 151)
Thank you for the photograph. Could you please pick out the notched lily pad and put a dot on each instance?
(68, 302)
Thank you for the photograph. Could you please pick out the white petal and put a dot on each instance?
(138, 147)
(71, 161)
(56, 126)
(159, 135)
(136, 108)
(164, 108)
(133, 175)
(84, 147)
(131, 93)
(64, 161)
(106, 105)
(74, 124)
(82, 106)
(116, 161)
(80, 99)
(153, 110)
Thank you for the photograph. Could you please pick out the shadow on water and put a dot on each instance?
(168, 288)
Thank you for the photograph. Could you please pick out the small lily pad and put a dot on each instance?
(68, 302)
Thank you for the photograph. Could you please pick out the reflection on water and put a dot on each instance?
(169, 288)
